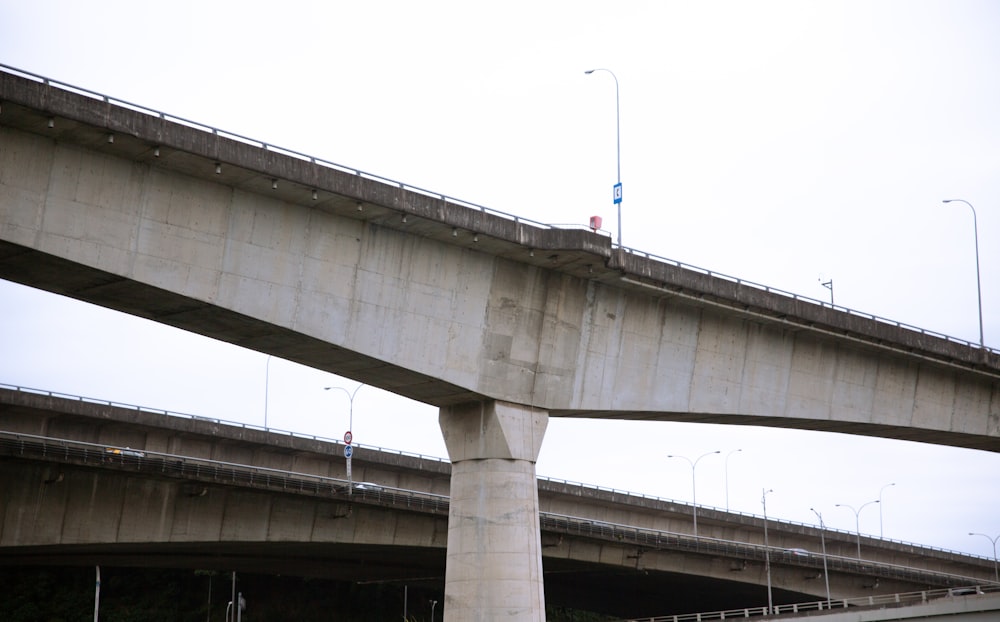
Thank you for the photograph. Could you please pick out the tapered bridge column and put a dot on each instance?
(494, 567)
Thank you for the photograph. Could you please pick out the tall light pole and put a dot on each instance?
(97, 595)
(822, 543)
(727, 475)
(996, 572)
(829, 286)
(857, 519)
(767, 551)
(979, 287)
(618, 142)
(880, 505)
(349, 435)
(350, 397)
(694, 498)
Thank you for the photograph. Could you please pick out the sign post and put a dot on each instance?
(348, 453)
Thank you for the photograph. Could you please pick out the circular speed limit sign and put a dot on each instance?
(348, 437)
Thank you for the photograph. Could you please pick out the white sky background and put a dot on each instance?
(779, 142)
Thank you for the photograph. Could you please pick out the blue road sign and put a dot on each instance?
(618, 193)
(348, 451)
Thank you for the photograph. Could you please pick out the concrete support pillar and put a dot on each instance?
(494, 567)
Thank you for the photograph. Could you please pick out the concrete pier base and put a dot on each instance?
(494, 567)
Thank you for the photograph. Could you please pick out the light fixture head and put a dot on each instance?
(111, 138)
(156, 152)
(589, 71)
(274, 184)
(315, 195)
(52, 122)
(218, 168)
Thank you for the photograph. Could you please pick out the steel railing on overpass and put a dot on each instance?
(235, 424)
(470, 205)
(35, 447)
(884, 601)
(30, 446)
(582, 486)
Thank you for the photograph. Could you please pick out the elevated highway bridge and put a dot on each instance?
(498, 321)
(100, 484)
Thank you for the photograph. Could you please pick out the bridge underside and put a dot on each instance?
(290, 258)
(568, 583)
(47, 272)
(42, 271)
(310, 266)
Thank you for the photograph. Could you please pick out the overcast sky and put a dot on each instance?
(786, 143)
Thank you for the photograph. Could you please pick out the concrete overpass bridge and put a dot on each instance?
(198, 493)
(499, 321)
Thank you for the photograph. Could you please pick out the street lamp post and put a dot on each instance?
(996, 572)
(979, 287)
(822, 543)
(767, 551)
(350, 397)
(880, 505)
(857, 519)
(349, 435)
(97, 595)
(694, 498)
(727, 475)
(618, 144)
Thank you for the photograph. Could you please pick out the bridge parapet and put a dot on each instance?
(434, 300)
(200, 473)
(947, 602)
(637, 520)
(34, 102)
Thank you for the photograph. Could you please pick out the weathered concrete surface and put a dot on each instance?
(232, 240)
(549, 318)
(26, 412)
(494, 569)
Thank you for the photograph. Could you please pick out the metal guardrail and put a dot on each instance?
(216, 471)
(653, 539)
(581, 486)
(31, 446)
(237, 424)
(269, 147)
(866, 602)
(470, 205)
